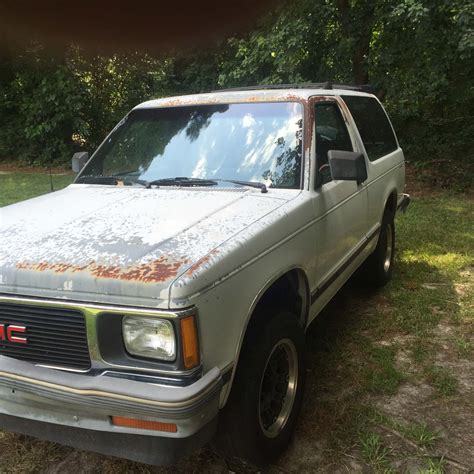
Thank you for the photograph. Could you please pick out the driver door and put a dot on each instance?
(340, 207)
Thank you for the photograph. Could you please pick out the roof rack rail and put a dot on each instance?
(307, 85)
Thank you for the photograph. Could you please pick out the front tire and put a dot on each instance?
(259, 419)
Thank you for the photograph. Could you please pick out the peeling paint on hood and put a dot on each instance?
(120, 244)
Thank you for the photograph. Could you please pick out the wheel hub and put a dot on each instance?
(278, 388)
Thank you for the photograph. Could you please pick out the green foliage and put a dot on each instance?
(278, 52)
(418, 53)
(112, 86)
(40, 108)
(53, 106)
(422, 59)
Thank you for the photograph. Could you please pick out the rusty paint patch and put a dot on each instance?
(308, 129)
(226, 98)
(201, 263)
(345, 110)
(310, 117)
(322, 98)
(156, 271)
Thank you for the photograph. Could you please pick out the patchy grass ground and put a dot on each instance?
(17, 186)
(390, 373)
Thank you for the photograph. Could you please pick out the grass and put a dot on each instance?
(435, 466)
(442, 380)
(420, 434)
(383, 377)
(364, 352)
(367, 345)
(20, 186)
(376, 454)
(464, 347)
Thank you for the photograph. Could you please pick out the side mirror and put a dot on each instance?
(79, 160)
(347, 165)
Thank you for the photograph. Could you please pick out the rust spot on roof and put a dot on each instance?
(322, 98)
(229, 97)
(293, 98)
(156, 271)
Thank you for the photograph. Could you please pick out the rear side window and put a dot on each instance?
(374, 127)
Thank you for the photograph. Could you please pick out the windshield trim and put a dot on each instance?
(297, 100)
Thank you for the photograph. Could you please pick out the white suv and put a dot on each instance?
(165, 294)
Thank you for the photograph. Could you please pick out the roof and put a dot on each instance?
(280, 93)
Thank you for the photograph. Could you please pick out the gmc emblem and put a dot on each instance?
(9, 332)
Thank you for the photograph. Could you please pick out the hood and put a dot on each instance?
(119, 245)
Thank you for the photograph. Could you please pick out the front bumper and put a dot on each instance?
(76, 410)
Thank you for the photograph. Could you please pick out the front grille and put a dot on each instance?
(55, 336)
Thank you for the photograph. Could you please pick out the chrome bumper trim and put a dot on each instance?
(110, 394)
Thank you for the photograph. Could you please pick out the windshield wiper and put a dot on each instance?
(252, 184)
(115, 180)
(182, 181)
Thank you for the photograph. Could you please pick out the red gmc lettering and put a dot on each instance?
(10, 333)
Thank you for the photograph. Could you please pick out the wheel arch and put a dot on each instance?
(295, 282)
(391, 202)
(294, 279)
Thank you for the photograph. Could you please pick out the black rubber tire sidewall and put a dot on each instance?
(376, 271)
(240, 434)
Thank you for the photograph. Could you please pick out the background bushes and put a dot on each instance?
(418, 54)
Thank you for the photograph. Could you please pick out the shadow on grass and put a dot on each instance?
(352, 345)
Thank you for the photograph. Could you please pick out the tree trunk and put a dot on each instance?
(356, 24)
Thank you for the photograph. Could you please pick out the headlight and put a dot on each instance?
(148, 337)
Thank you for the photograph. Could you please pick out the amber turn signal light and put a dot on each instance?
(144, 424)
(189, 339)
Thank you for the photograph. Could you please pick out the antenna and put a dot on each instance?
(51, 177)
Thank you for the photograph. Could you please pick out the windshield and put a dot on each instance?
(259, 142)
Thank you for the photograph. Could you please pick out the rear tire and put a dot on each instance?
(378, 268)
(258, 421)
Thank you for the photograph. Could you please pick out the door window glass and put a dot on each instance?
(331, 134)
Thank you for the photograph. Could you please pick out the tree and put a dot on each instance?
(418, 54)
